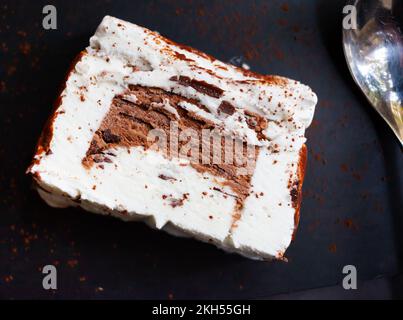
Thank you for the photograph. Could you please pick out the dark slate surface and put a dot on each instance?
(351, 212)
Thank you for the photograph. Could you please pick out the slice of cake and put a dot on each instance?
(147, 129)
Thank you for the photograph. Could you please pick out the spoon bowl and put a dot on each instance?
(374, 54)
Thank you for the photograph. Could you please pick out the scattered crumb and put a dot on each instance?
(344, 167)
(349, 223)
(72, 263)
(285, 7)
(25, 48)
(333, 248)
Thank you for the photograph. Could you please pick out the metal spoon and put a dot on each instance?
(374, 53)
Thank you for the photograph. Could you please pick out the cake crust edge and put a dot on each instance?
(301, 171)
(46, 135)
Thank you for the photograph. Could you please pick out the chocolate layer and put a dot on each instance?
(133, 115)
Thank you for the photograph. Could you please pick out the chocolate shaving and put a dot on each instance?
(109, 137)
(294, 194)
(164, 177)
(226, 107)
(200, 86)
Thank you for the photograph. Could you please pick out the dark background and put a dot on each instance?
(351, 213)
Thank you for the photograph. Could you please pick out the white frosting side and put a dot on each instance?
(131, 184)
(123, 54)
(267, 221)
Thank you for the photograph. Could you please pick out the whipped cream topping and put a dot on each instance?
(196, 204)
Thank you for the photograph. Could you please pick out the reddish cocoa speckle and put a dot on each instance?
(349, 223)
(285, 7)
(21, 33)
(201, 12)
(319, 157)
(333, 248)
(378, 207)
(3, 87)
(315, 124)
(296, 29)
(344, 167)
(313, 226)
(25, 48)
(325, 103)
(11, 69)
(282, 22)
(72, 263)
(278, 53)
(4, 48)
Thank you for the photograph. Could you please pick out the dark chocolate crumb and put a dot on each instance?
(109, 137)
(164, 177)
(227, 108)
